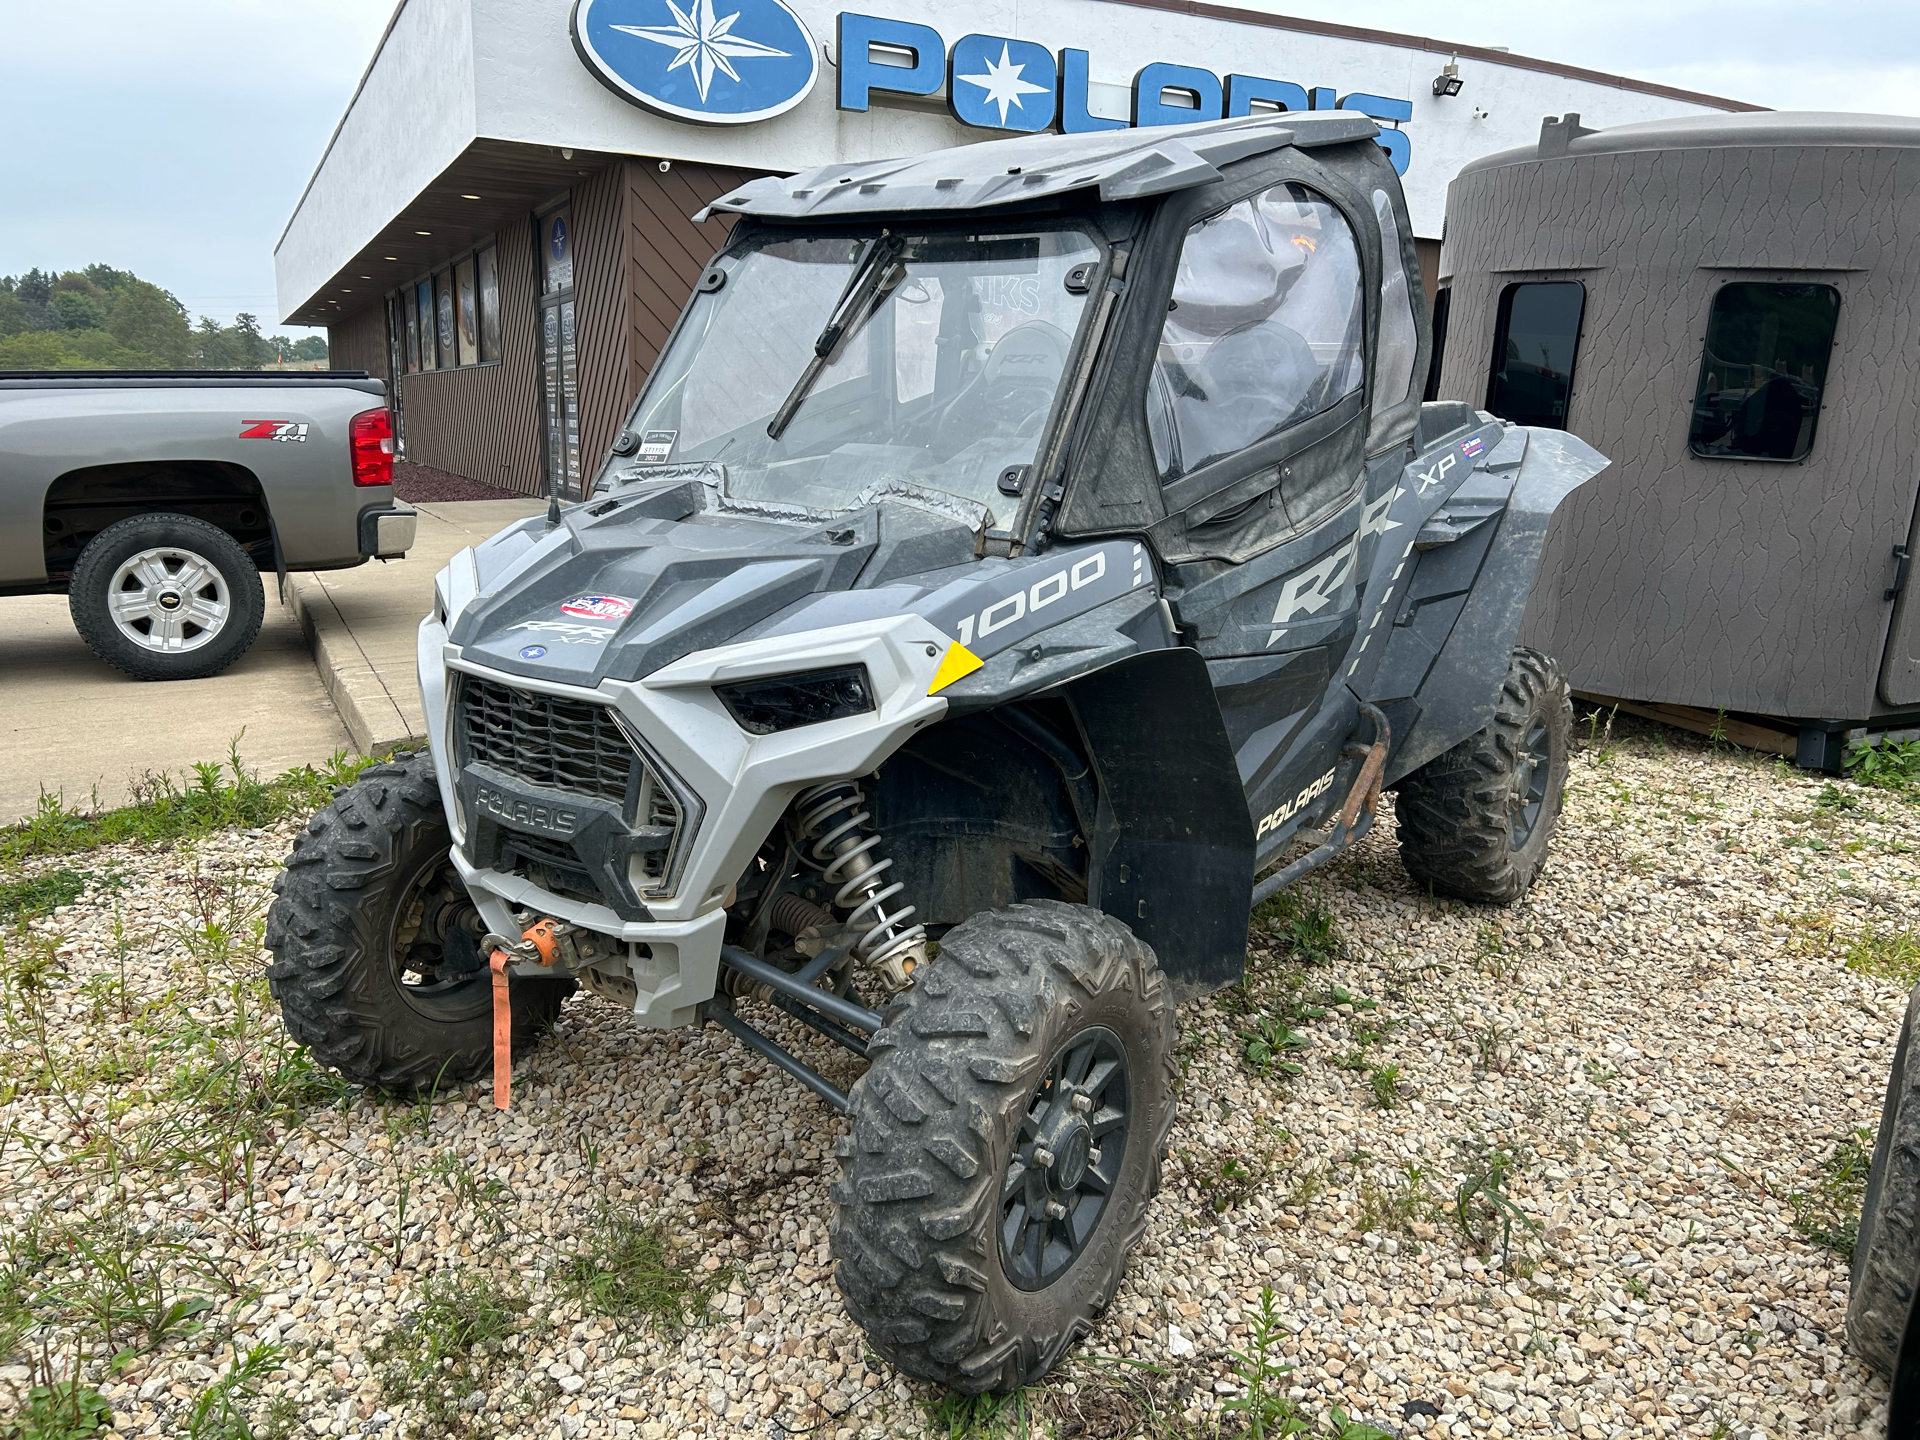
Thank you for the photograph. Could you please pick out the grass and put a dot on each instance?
(165, 809)
(1300, 926)
(1886, 955)
(1828, 1211)
(629, 1268)
(1483, 1211)
(26, 899)
(434, 1359)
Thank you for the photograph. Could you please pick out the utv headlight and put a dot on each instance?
(786, 702)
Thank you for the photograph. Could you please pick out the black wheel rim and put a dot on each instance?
(1066, 1159)
(440, 974)
(1533, 768)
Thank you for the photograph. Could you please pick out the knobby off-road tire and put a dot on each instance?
(353, 920)
(1476, 821)
(1886, 1254)
(135, 569)
(975, 1065)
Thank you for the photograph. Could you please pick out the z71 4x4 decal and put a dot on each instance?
(281, 430)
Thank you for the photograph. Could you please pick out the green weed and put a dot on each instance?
(1267, 1041)
(978, 1417)
(223, 1410)
(1483, 1211)
(1385, 1083)
(165, 809)
(1891, 765)
(1828, 1211)
(1887, 955)
(60, 1410)
(629, 1267)
(1301, 927)
(1264, 1404)
(431, 1361)
(1392, 1206)
(24, 899)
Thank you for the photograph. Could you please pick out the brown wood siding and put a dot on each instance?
(484, 421)
(359, 342)
(666, 251)
(1742, 584)
(600, 332)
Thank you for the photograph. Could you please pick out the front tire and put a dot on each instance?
(376, 963)
(1476, 821)
(166, 597)
(1006, 1139)
(1886, 1252)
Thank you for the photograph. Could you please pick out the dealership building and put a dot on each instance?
(503, 224)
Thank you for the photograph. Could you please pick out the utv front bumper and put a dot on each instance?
(632, 809)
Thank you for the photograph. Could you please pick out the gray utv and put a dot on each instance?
(1015, 552)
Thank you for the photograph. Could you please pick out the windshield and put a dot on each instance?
(944, 380)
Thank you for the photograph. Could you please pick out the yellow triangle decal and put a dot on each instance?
(959, 663)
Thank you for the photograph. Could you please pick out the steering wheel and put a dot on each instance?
(1026, 362)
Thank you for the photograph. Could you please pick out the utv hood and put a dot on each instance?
(628, 584)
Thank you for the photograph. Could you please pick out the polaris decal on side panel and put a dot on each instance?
(1294, 806)
(1005, 606)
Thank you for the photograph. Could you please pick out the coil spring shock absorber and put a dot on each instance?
(832, 820)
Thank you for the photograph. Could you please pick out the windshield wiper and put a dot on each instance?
(875, 274)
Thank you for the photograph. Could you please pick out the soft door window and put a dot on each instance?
(1399, 336)
(1534, 343)
(1764, 372)
(1263, 329)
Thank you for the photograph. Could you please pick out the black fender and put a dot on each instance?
(1171, 854)
(1479, 553)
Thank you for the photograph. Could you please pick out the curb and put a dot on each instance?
(366, 707)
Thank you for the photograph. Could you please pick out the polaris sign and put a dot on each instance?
(753, 63)
(759, 60)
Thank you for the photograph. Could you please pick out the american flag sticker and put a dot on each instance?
(1472, 446)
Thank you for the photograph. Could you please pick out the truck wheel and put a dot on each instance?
(376, 957)
(1475, 822)
(166, 597)
(1005, 1142)
(1886, 1253)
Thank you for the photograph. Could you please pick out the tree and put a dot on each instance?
(13, 314)
(34, 287)
(105, 277)
(146, 318)
(309, 347)
(213, 347)
(79, 310)
(250, 348)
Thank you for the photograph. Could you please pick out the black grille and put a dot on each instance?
(546, 740)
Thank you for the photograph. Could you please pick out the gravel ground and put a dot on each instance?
(420, 484)
(1645, 1069)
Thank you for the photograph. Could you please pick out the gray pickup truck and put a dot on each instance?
(155, 500)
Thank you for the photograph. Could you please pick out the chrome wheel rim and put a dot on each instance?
(1528, 795)
(168, 600)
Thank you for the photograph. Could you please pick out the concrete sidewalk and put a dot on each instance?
(76, 727)
(361, 624)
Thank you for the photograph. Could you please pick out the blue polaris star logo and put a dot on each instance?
(532, 652)
(691, 61)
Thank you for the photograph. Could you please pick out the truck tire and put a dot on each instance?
(1475, 822)
(1040, 1026)
(376, 963)
(166, 597)
(1886, 1253)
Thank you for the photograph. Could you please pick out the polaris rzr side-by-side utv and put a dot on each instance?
(1016, 550)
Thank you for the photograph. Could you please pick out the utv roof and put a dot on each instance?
(1124, 164)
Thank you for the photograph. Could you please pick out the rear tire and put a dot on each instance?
(947, 1255)
(373, 967)
(1886, 1253)
(1476, 821)
(166, 597)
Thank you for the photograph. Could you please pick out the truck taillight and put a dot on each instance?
(370, 436)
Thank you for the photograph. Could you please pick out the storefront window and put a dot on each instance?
(1764, 371)
(423, 306)
(556, 249)
(1534, 344)
(468, 319)
(443, 318)
(413, 329)
(488, 264)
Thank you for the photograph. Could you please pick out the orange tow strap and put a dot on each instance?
(502, 1033)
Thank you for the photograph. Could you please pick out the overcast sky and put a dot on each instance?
(173, 138)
